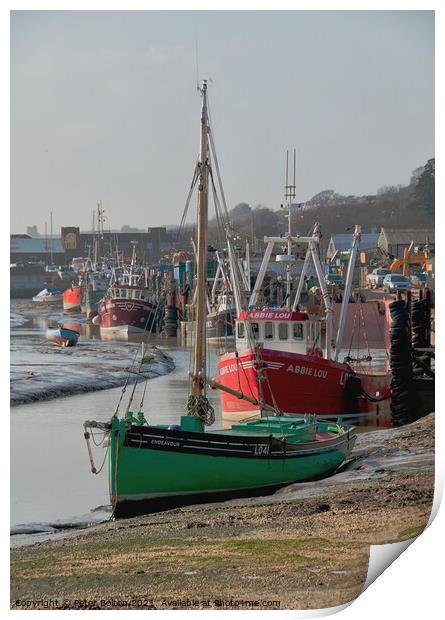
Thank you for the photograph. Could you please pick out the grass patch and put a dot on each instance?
(410, 532)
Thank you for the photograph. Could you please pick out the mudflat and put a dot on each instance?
(306, 546)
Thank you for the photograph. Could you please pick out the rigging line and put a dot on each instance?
(379, 327)
(364, 328)
(238, 363)
(104, 459)
(145, 341)
(153, 317)
(260, 362)
(159, 305)
(218, 174)
(187, 203)
(220, 227)
(352, 334)
(129, 373)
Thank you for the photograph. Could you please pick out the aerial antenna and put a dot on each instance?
(196, 59)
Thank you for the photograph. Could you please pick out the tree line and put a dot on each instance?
(410, 206)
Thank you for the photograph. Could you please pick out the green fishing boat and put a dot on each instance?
(157, 467)
(153, 466)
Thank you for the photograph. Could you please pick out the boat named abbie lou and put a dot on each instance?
(153, 467)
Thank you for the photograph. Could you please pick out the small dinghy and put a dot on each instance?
(63, 336)
(48, 296)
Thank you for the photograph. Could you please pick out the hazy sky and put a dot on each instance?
(104, 106)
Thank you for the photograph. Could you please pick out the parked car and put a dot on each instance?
(393, 282)
(335, 279)
(419, 279)
(51, 268)
(376, 277)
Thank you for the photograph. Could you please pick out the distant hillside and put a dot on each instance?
(410, 206)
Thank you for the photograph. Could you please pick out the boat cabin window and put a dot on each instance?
(283, 332)
(240, 327)
(268, 330)
(255, 330)
(298, 331)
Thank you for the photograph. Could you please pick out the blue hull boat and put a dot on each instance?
(63, 336)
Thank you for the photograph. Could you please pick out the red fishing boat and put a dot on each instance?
(126, 310)
(71, 298)
(126, 307)
(284, 368)
(288, 359)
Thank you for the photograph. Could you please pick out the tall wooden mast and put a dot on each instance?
(199, 349)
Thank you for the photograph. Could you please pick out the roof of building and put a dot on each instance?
(28, 245)
(405, 236)
(343, 242)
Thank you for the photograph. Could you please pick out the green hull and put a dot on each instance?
(179, 468)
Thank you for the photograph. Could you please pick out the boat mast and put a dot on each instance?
(198, 368)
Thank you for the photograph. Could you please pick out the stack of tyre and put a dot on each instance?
(403, 396)
(419, 328)
(170, 320)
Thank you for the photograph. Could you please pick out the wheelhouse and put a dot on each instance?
(128, 292)
(281, 330)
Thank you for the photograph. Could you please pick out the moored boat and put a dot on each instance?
(48, 296)
(126, 307)
(63, 336)
(71, 298)
(191, 465)
(289, 358)
(220, 322)
(92, 293)
(125, 311)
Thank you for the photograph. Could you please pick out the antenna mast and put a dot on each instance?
(51, 236)
(289, 194)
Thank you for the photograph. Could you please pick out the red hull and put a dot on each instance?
(120, 313)
(71, 298)
(294, 383)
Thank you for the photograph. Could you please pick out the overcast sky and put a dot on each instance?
(104, 106)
